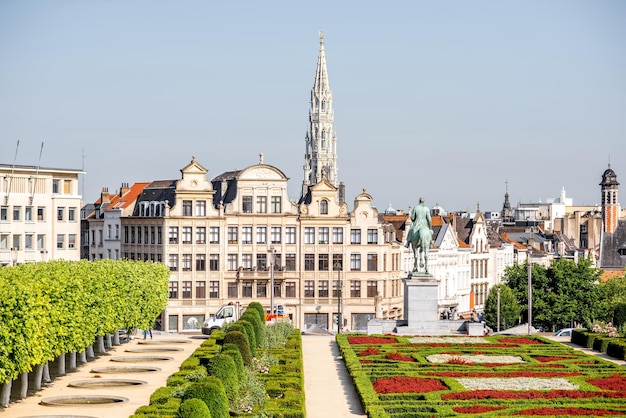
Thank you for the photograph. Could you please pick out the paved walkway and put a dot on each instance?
(327, 384)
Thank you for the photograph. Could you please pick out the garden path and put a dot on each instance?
(327, 383)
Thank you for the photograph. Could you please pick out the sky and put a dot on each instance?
(454, 101)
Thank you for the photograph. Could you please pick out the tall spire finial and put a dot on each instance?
(321, 33)
(609, 160)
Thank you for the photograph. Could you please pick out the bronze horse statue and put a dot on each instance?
(420, 235)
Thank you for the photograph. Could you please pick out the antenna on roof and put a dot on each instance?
(32, 195)
(6, 198)
(83, 155)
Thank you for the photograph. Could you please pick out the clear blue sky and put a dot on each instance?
(442, 99)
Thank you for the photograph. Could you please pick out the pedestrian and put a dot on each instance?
(146, 332)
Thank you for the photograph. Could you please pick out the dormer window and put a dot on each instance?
(324, 207)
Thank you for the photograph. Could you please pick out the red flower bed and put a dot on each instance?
(505, 374)
(458, 360)
(371, 340)
(407, 384)
(614, 382)
(519, 340)
(433, 345)
(476, 409)
(363, 361)
(369, 351)
(547, 359)
(569, 412)
(531, 394)
(392, 355)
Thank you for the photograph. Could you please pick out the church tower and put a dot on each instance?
(507, 215)
(320, 158)
(610, 202)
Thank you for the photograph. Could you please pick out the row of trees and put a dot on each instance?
(564, 294)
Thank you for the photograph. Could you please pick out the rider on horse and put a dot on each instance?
(420, 235)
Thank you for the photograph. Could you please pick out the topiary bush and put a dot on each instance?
(223, 367)
(252, 316)
(259, 309)
(250, 332)
(232, 351)
(211, 391)
(241, 341)
(193, 408)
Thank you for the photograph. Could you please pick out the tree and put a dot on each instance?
(509, 308)
(562, 294)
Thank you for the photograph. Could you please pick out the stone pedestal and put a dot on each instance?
(420, 299)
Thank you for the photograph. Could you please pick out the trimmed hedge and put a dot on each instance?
(193, 408)
(240, 340)
(211, 391)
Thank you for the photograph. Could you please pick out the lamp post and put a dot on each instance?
(338, 268)
(530, 292)
(498, 308)
(14, 256)
(272, 253)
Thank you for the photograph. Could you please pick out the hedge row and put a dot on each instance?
(49, 309)
(612, 346)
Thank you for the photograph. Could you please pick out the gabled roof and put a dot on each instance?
(613, 248)
(128, 198)
(158, 191)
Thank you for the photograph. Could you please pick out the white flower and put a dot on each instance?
(516, 383)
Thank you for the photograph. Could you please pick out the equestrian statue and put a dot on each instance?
(420, 235)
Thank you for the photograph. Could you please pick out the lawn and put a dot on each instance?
(480, 376)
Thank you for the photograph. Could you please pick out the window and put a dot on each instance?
(4, 242)
(246, 204)
(261, 204)
(233, 264)
(372, 288)
(233, 290)
(355, 288)
(4, 213)
(173, 232)
(16, 212)
(355, 236)
(214, 262)
(186, 235)
(40, 213)
(71, 214)
(126, 235)
(261, 262)
(159, 235)
(277, 204)
(309, 235)
(355, 262)
(187, 205)
(200, 262)
(139, 228)
(290, 262)
(60, 241)
(323, 207)
(55, 186)
(322, 262)
(261, 289)
(290, 235)
(186, 263)
(28, 241)
(322, 290)
(372, 262)
(337, 262)
(246, 289)
(337, 235)
(71, 241)
(201, 235)
(41, 241)
(60, 214)
(67, 186)
(200, 207)
(28, 213)
(246, 261)
(372, 236)
(214, 289)
(290, 289)
(232, 235)
(145, 234)
(173, 262)
(335, 288)
(323, 235)
(261, 234)
(276, 234)
(246, 235)
(309, 262)
(173, 290)
(200, 290)
(186, 289)
(214, 235)
(309, 288)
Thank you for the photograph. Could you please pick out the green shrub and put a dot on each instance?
(223, 367)
(252, 316)
(251, 333)
(619, 315)
(161, 395)
(190, 363)
(601, 343)
(232, 351)
(276, 334)
(259, 309)
(240, 340)
(193, 408)
(217, 336)
(211, 391)
(617, 349)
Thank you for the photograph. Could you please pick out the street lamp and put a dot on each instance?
(530, 291)
(14, 255)
(338, 268)
(272, 253)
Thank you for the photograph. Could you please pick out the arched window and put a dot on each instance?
(323, 104)
(324, 207)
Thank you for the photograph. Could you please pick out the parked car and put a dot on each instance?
(566, 332)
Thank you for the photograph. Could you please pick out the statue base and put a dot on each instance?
(421, 296)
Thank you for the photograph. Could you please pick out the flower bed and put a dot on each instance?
(484, 376)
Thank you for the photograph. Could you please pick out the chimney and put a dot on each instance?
(104, 195)
(124, 189)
